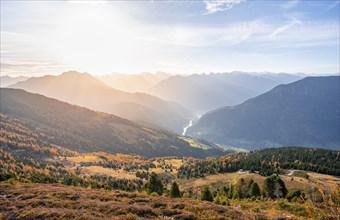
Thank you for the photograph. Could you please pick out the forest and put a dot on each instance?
(267, 162)
(25, 158)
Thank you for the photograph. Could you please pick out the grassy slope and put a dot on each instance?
(54, 201)
(298, 183)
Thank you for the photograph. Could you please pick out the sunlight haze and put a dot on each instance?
(170, 109)
(102, 37)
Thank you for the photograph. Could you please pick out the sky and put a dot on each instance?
(181, 37)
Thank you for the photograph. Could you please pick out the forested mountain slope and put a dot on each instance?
(83, 130)
(84, 90)
(267, 162)
(304, 113)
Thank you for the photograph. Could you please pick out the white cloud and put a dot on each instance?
(334, 4)
(286, 27)
(256, 34)
(290, 4)
(88, 2)
(213, 6)
(203, 36)
(103, 39)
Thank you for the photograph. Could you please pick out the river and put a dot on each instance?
(186, 127)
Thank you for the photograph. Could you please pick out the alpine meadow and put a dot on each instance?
(170, 110)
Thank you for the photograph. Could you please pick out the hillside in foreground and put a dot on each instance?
(55, 201)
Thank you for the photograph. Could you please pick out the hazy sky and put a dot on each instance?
(101, 37)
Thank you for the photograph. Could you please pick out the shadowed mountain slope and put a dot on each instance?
(303, 113)
(83, 130)
(84, 90)
(205, 92)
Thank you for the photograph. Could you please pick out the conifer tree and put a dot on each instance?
(174, 190)
(206, 194)
(274, 187)
(155, 184)
(254, 190)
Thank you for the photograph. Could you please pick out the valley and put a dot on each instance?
(104, 165)
(47, 181)
(302, 113)
(186, 127)
(93, 131)
(170, 110)
(72, 86)
(92, 160)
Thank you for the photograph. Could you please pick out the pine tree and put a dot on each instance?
(275, 187)
(206, 194)
(174, 190)
(254, 190)
(155, 184)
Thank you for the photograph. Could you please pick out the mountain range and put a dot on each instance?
(200, 92)
(303, 113)
(85, 90)
(135, 82)
(204, 92)
(83, 130)
(8, 80)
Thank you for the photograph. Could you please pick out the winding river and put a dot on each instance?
(186, 127)
(194, 119)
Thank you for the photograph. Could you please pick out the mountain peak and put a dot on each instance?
(74, 73)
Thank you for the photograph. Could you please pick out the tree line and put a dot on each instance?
(267, 162)
(273, 188)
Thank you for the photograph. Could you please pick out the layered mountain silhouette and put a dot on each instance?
(83, 130)
(205, 92)
(85, 90)
(133, 83)
(8, 80)
(304, 113)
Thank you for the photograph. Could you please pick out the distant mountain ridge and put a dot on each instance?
(204, 92)
(133, 83)
(87, 91)
(8, 80)
(83, 130)
(304, 113)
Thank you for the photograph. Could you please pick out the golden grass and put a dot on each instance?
(54, 201)
(157, 170)
(121, 174)
(166, 162)
(176, 163)
(194, 143)
(97, 157)
(217, 179)
(84, 158)
(297, 183)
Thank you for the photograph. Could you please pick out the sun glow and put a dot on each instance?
(94, 38)
(101, 37)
